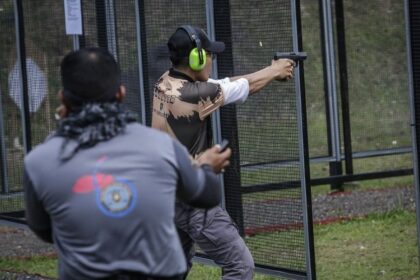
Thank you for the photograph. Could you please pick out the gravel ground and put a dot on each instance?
(362, 203)
(15, 276)
(278, 214)
(261, 216)
(22, 243)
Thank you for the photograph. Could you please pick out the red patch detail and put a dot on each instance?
(86, 184)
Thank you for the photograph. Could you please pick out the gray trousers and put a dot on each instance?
(217, 235)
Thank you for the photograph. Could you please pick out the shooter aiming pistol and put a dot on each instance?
(295, 56)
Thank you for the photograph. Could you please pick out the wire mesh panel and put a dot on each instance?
(12, 151)
(45, 47)
(268, 137)
(112, 25)
(90, 23)
(314, 80)
(126, 44)
(377, 74)
(41, 51)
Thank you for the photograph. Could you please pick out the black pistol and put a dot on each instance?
(295, 56)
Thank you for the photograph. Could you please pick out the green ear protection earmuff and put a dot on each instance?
(197, 57)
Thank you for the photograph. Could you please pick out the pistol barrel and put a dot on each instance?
(295, 56)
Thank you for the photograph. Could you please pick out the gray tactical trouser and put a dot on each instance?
(217, 235)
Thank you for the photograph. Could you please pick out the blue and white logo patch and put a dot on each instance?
(118, 198)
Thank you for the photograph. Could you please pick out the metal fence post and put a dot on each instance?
(142, 52)
(3, 158)
(229, 127)
(303, 144)
(327, 40)
(105, 24)
(111, 31)
(80, 41)
(21, 58)
(140, 62)
(76, 42)
(344, 86)
(215, 118)
(412, 32)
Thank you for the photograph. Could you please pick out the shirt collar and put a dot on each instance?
(177, 74)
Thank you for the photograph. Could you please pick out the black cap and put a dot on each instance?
(180, 43)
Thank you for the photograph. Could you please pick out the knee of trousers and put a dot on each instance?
(242, 268)
(240, 259)
(247, 261)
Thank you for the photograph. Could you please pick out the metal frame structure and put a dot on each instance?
(303, 145)
(344, 85)
(228, 115)
(335, 158)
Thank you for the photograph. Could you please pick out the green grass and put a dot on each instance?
(375, 247)
(379, 247)
(46, 266)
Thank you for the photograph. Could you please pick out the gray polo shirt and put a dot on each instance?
(111, 208)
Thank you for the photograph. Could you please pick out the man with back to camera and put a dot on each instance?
(184, 97)
(102, 188)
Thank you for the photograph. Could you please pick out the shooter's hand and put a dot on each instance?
(216, 159)
(282, 69)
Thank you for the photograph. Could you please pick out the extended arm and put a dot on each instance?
(37, 218)
(281, 69)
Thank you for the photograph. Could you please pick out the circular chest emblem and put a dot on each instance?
(117, 199)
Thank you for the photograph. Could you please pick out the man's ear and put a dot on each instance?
(120, 94)
(62, 110)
